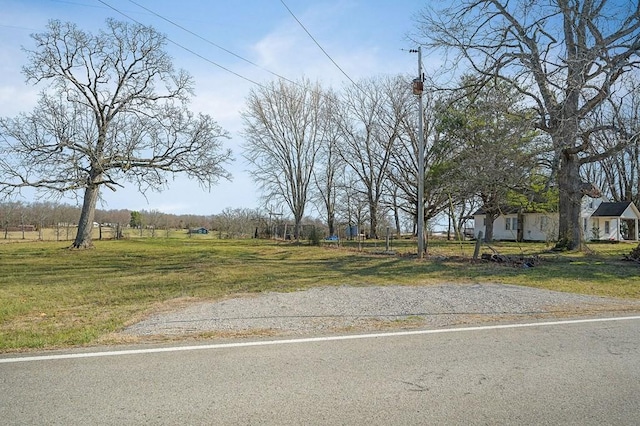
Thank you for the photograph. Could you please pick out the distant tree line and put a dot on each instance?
(230, 223)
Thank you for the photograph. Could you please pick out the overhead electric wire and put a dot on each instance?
(199, 55)
(318, 44)
(226, 50)
(184, 47)
(209, 41)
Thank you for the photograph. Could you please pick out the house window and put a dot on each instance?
(607, 228)
(511, 224)
(584, 224)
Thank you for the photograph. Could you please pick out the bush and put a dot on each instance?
(314, 237)
(634, 254)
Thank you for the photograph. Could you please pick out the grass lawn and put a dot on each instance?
(51, 296)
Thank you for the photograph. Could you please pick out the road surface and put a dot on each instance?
(565, 372)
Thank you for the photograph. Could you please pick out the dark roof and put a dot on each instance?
(611, 209)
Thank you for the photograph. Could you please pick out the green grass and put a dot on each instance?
(51, 296)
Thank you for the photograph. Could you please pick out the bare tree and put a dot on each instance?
(152, 220)
(369, 124)
(284, 126)
(9, 212)
(619, 175)
(237, 223)
(567, 56)
(353, 210)
(114, 110)
(393, 203)
(327, 175)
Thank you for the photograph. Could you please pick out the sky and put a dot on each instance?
(366, 38)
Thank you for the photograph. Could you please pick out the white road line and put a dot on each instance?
(305, 340)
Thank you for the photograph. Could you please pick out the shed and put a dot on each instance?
(200, 231)
(615, 221)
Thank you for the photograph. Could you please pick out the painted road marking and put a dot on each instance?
(305, 340)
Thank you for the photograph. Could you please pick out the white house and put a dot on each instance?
(600, 220)
(614, 222)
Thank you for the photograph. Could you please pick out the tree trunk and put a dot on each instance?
(331, 221)
(332, 226)
(520, 233)
(373, 212)
(569, 186)
(488, 229)
(296, 229)
(85, 224)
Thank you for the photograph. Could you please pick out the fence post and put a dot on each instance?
(387, 240)
(476, 252)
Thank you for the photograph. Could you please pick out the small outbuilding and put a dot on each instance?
(201, 231)
(615, 221)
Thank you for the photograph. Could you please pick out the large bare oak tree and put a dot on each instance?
(369, 124)
(113, 109)
(285, 124)
(567, 56)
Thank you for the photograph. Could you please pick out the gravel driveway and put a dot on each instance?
(343, 309)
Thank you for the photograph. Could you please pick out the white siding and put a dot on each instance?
(544, 226)
(499, 228)
(629, 213)
(478, 225)
(536, 227)
(601, 225)
(540, 226)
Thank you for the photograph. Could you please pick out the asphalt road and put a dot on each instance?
(577, 373)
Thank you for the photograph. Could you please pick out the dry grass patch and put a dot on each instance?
(53, 297)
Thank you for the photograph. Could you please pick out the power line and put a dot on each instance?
(203, 57)
(184, 47)
(189, 50)
(318, 44)
(209, 41)
(15, 27)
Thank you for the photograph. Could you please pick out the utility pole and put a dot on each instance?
(418, 88)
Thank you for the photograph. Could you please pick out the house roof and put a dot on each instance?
(611, 209)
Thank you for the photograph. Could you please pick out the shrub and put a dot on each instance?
(314, 236)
